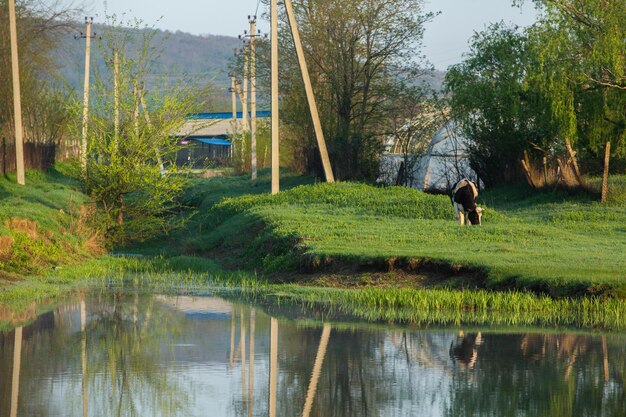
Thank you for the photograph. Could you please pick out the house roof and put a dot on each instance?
(212, 141)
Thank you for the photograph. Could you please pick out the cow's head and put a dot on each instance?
(475, 216)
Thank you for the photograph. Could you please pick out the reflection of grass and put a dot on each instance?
(451, 307)
(385, 304)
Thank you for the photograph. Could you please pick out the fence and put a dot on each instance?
(36, 156)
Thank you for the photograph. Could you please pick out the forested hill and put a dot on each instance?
(202, 58)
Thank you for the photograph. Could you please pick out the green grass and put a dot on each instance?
(551, 242)
(41, 225)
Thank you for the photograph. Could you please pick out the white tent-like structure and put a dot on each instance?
(445, 163)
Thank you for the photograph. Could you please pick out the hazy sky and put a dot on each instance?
(445, 39)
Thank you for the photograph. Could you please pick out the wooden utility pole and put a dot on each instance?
(319, 134)
(83, 144)
(605, 177)
(275, 125)
(252, 20)
(17, 98)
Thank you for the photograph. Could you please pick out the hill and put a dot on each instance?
(201, 59)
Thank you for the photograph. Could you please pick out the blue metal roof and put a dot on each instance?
(223, 115)
(213, 141)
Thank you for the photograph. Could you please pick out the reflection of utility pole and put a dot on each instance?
(17, 361)
(83, 331)
(87, 35)
(243, 358)
(275, 125)
(232, 339)
(317, 367)
(17, 99)
(251, 365)
(319, 134)
(273, 362)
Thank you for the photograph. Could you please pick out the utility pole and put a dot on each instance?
(319, 134)
(252, 98)
(244, 102)
(116, 94)
(233, 92)
(17, 98)
(252, 35)
(275, 133)
(83, 144)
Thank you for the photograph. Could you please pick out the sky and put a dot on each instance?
(445, 40)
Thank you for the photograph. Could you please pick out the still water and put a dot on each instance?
(129, 354)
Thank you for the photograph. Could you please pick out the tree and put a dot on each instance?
(39, 28)
(123, 173)
(356, 51)
(499, 111)
(580, 47)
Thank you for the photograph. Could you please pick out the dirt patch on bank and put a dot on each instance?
(382, 272)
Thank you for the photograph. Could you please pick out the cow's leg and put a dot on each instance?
(459, 214)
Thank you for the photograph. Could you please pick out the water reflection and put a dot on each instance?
(131, 354)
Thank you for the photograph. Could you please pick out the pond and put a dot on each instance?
(132, 354)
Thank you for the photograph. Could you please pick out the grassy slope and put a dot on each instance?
(551, 241)
(41, 225)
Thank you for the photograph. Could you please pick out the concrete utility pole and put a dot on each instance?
(275, 125)
(244, 102)
(17, 98)
(83, 144)
(319, 134)
(252, 35)
(233, 92)
(252, 98)
(116, 94)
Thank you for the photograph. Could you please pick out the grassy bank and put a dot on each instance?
(557, 243)
(43, 225)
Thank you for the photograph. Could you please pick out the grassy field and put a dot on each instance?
(43, 225)
(550, 242)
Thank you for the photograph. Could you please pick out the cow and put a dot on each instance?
(463, 197)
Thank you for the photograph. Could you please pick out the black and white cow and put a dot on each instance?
(464, 196)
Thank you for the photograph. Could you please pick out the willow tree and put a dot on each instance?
(580, 47)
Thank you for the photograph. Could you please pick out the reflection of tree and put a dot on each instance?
(539, 375)
(125, 353)
(123, 349)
